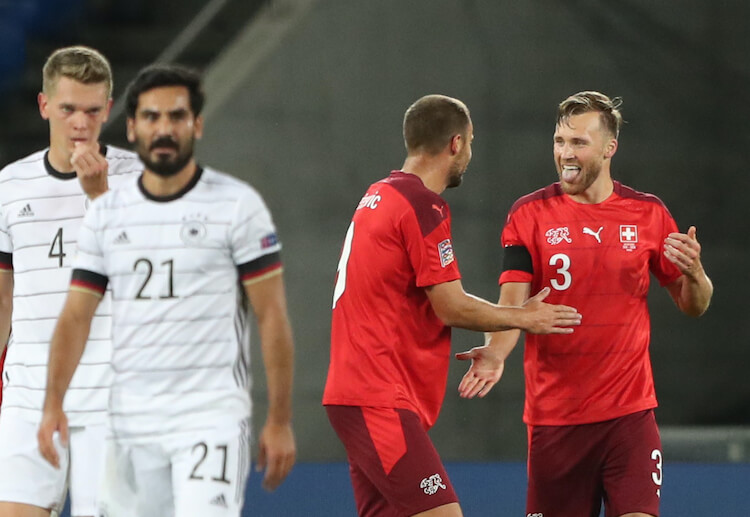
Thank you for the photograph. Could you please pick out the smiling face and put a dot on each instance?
(76, 112)
(164, 129)
(582, 150)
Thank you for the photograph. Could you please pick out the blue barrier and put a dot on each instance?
(498, 490)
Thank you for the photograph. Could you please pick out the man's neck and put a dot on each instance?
(59, 159)
(430, 170)
(164, 186)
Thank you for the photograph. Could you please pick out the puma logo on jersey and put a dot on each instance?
(438, 208)
(26, 211)
(122, 239)
(595, 234)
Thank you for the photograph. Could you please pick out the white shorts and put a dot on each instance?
(26, 477)
(202, 474)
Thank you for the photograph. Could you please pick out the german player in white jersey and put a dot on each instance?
(43, 199)
(183, 249)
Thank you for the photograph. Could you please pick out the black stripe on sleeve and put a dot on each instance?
(517, 258)
(89, 279)
(260, 264)
(6, 260)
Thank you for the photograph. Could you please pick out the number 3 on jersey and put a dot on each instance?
(562, 262)
(338, 290)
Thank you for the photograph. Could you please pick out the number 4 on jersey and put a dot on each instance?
(56, 249)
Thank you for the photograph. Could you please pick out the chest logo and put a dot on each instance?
(556, 235)
(594, 234)
(628, 236)
(26, 211)
(193, 229)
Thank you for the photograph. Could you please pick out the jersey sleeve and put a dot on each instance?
(664, 270)
(431, 255)
(254, 242)
(517, 263)
(89, 271)
(6, 245)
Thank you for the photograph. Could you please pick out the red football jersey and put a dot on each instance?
(597, 259)
(388, 347)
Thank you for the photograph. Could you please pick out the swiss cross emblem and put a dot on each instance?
(628, 236)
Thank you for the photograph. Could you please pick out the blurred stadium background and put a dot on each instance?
(305, 100)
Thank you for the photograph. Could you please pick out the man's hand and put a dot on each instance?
(91, 168)
(277, 453)
(485, 371)
(53, 420)
(544, 318)
(684, 251)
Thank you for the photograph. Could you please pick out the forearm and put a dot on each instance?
(6, 311)
(695, 294)
(278, 358)
(502, 343)
(481, 315)
(66, 349)
(6, 307)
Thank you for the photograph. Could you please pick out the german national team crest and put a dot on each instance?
(556, 235)
(628, 236)
(445, 249)
(193, 229)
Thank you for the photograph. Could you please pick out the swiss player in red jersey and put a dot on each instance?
(590, 395)
(398, 292)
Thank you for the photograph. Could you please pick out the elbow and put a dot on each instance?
(445, 314)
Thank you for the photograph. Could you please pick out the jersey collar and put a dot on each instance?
(64, 175)
(164, 199)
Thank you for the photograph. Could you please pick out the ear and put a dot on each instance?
(198, 127)
(457, 143)
(611, 148)
(43, 102)
(130, 129)
(108, 109)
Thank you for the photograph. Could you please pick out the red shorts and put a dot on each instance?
(394, 467)
(572, 468)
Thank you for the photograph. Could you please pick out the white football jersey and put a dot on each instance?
(40, 214)
(175, 267)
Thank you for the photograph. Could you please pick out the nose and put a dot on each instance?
(566, 151)
(80, 120)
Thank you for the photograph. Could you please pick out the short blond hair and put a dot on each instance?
(588, 101)
(82, 64)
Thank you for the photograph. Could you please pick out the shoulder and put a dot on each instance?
(20, 169)
(123, 194)
(429, 208)
(553, 191)
(228, 186)
(626, 192)
(122, 161)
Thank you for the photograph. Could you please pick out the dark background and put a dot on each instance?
(317, 118)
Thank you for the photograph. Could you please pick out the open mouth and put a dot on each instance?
(570, 173)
